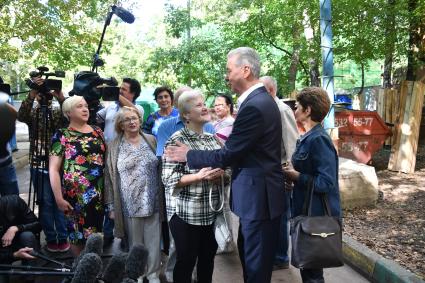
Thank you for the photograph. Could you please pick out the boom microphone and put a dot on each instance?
(114, 271)
(94, 244)
(136, 262)
(88, 268)
(123, 14)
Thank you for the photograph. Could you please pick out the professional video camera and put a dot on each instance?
(48, 85)
(93, 87)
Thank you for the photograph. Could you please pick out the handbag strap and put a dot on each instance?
(221, 194)
(308, 200)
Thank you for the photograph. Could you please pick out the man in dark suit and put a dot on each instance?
(253, 151)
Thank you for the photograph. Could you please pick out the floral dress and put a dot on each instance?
(82, 183)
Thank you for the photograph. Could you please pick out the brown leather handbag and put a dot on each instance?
(316, 240)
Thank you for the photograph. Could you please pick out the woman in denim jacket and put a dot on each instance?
(315, 158)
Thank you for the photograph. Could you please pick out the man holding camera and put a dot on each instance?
(42, 122)
(129, 92)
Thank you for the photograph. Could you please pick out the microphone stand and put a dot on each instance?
(96, 60)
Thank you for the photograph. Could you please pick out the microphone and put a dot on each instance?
(42, 256)
(87, 269)
(123, 14)
(94, 244)
(114, 271)
(136, 262)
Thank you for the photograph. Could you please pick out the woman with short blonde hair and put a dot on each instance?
(132, 191)
(76, 157)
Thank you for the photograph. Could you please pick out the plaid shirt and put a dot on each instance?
(190, 203)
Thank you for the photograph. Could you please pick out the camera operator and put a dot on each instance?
(129, 91)
(18, 229)
(8, 179)
(51, 218)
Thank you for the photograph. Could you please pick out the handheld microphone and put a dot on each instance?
(123, 14)
(94, 244)
(87, 269)
(136, 262)
(114, 271)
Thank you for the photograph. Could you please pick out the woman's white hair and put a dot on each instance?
(69, 104)
(185, 101)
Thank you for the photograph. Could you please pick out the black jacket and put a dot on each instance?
(15, 212)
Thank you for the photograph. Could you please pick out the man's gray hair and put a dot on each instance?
(185, 101)
(271, 80)
(179, 92)
(247, 56)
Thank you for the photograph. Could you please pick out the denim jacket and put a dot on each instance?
(315, 158)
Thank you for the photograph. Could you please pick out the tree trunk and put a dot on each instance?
(314, 72)
(414, 42)
(362, 85)
(295, 58)
(389, 44)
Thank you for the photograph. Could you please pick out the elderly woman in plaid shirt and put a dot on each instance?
(190, 216)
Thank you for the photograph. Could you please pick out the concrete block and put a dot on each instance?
(358, 184)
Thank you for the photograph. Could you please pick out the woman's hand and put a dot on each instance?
(203, 173)
(23, 253)
(215, 175)
(8, 237)
(63, 205)
(291, 173)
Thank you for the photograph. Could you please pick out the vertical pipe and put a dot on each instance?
(327, 58)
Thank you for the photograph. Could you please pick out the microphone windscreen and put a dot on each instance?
(136, 261)
(114, 271)
(87, 269)
(94, 244)
(128, 280)
(123, 14)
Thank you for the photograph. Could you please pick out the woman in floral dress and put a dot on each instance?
(77, 158)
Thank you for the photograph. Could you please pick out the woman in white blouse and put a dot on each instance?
(132, 187)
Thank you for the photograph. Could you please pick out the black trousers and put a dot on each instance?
(193, 243)
(21, 240)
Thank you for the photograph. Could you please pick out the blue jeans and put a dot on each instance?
(51, 218)
(8, 179)
(283, 241)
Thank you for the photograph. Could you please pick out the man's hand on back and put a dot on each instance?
(176, 153)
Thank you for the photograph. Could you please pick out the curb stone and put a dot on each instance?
(375, 267)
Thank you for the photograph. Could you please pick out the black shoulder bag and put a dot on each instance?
(316, 240)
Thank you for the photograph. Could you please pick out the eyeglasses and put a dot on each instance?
(129, 120)
(219, 105)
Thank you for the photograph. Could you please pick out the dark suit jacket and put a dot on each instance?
(253, 151)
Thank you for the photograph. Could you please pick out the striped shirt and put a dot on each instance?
(190, 203)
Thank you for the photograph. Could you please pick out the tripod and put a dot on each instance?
(40, 134)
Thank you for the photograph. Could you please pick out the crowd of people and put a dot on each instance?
(157, 182)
